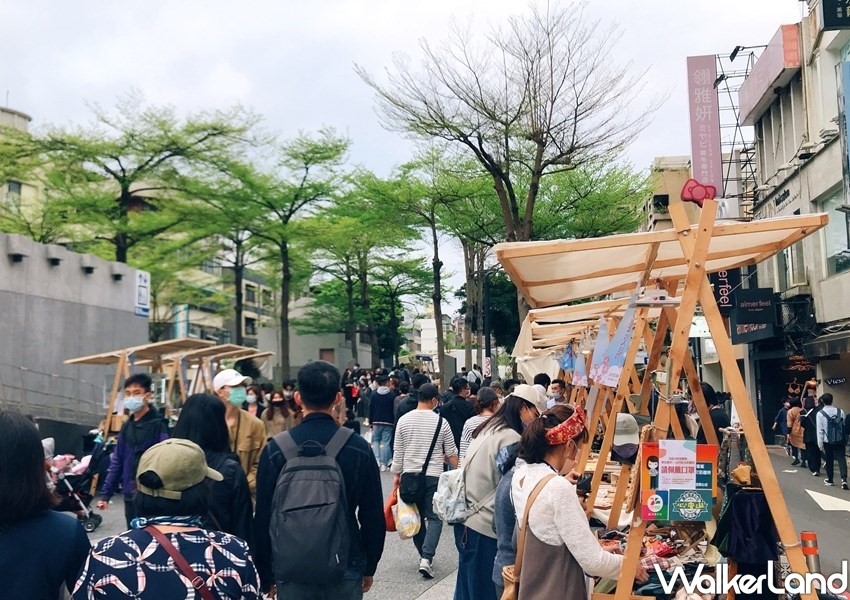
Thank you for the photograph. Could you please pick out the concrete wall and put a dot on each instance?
(53, 313)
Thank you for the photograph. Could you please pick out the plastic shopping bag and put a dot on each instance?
(389, 515)
(407, 520)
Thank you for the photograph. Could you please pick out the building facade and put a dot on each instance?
(795, 99)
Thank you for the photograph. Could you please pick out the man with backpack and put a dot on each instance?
(423, 441)
(319, 522)
(832, 440)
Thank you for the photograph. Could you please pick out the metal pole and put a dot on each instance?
(488, 365)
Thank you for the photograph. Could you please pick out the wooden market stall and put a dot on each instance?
(549, 274)
(127, 359)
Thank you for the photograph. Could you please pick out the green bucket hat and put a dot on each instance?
(180, 464)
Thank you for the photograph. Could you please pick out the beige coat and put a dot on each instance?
(795, 428)
(247, 440)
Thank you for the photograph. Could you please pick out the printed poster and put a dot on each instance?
(615, 355)
(678, 468)
(580, 373)
(601, 349)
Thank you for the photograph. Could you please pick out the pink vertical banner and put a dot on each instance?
(706, 159)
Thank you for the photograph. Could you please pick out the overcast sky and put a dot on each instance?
(292, 61)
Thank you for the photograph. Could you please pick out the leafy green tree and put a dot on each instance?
(308, 175)
(130, 167)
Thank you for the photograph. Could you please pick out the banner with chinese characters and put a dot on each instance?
(706, 160)
(678, 480)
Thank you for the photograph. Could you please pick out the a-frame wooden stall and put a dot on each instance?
(126, 359)
(553, 273)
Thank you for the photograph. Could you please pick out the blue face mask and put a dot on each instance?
(133, 404)
(238, 396)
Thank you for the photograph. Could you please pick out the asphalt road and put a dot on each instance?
(398, 578)
(832, 527)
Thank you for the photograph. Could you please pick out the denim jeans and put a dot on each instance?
(476, 554)
(382, 435)
(429, 534)
(833, 453)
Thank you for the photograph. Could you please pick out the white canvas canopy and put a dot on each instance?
(558, 272)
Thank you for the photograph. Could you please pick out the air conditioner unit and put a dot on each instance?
(828, 133)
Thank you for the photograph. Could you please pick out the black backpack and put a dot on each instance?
(309, 520)
(835, 428)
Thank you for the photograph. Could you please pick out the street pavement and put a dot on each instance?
(398, 577)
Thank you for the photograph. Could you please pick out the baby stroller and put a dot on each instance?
(74, 490)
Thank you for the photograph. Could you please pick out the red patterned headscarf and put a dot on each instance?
(567, 430)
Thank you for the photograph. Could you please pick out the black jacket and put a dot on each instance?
(456, 411)
(362, 488)
(719, 420)
(809, 423)
(230, 499)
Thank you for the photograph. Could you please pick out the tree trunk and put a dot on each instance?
(238, 277)
(119, 240)
(285, 293)
(437, 298)
(470, 304)
(479, 298)
(366, 303)
(522, 308)
(351, 317)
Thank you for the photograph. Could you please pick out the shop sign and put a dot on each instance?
(834, 15)
(832, 381)
(797, 363)
(724, 283)
(754, 316)
(143, 294)
(706, 164)
(755, 306)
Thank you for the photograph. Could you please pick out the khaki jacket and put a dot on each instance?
(247, 440)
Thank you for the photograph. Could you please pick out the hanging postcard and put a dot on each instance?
(599, 351)
(580, 373)
(615, 355)
(568, 358)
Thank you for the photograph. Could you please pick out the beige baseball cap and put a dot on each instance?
(180, 465)
(230, 377)
(528, 392)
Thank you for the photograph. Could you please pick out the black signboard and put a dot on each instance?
(746, 333)
(724, 284)
(755, 306)
(835, 14)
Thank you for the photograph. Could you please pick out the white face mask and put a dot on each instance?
(251, 398)
(287, 394)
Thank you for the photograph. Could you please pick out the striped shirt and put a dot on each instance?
(413, 435)
(466, 435)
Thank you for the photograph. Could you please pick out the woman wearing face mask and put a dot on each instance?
(483, 466)
(560, 549)
(252, 401)
(291, 404)
(278, 417)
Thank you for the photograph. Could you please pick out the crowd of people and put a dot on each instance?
(258, 492)
(815, 434)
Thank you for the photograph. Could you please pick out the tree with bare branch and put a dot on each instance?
(541, 95)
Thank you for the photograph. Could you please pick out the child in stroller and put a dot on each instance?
(73, 484)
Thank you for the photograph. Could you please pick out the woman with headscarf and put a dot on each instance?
(560, 549)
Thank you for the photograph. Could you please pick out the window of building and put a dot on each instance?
(250, 294)
(250, 326)
(661, 202)
(836, 236)
(210, 266)
(13, 192)
(327, 354)
(267, 298)
(791, 266)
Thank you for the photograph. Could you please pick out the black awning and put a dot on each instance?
(828, 345)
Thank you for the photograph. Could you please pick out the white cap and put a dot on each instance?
(230, 377)
(626, 430)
